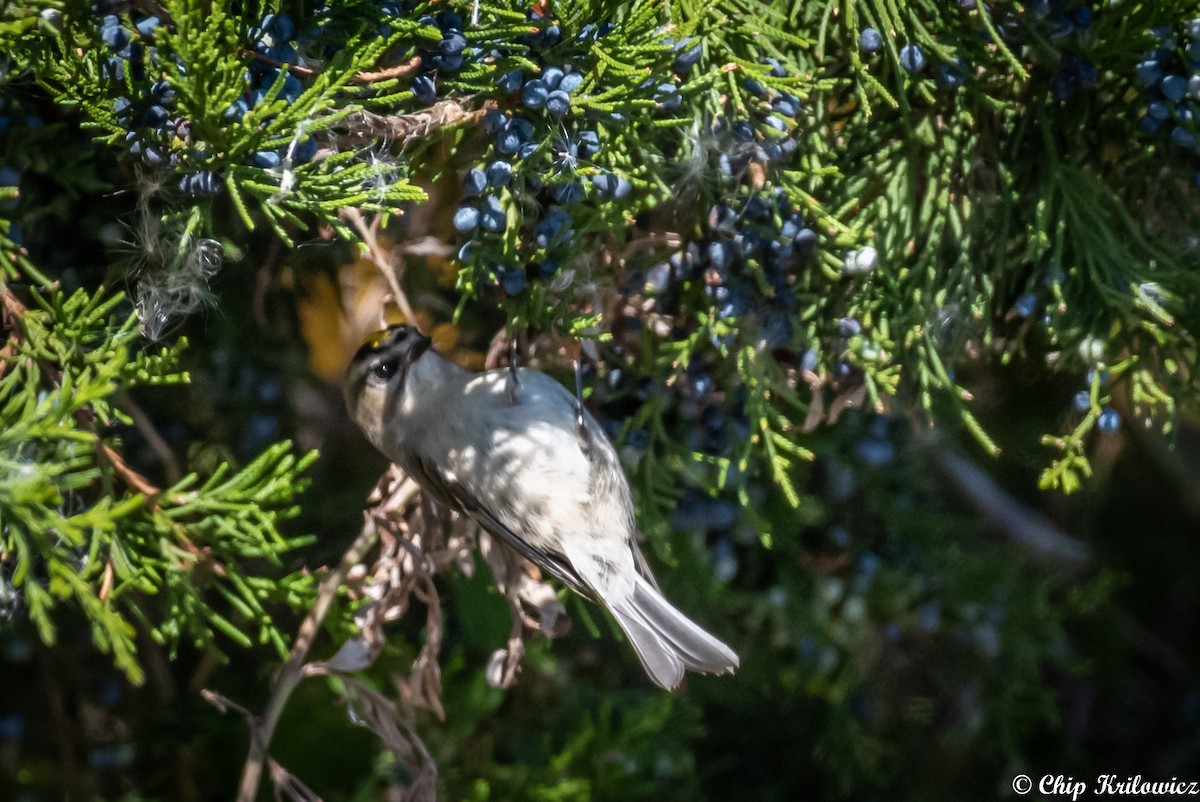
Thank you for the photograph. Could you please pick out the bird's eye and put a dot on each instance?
(386, 370)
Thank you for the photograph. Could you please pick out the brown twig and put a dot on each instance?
(404, 70)
(224, 704)
(263, 728)
(156, 442)
(287, 783)
(13, 308)
(500, 346)
(6, 354)
(1020, 523)
(132, 479)
(10, 313)
(386, 261)
(294, 69)
(106, 582)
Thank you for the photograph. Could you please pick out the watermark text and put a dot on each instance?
(1066, 787)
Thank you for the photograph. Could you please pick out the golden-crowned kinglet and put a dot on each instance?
(515, 451)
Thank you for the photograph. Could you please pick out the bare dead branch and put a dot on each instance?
(405, 70)
(1020, 523)
(388, 262)
(157, 444)
(293, 670)
(396, 730)
(224, 704)
(288, 785)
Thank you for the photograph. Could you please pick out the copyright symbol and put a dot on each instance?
(1022, 784)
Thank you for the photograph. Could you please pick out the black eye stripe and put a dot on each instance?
(386, 370)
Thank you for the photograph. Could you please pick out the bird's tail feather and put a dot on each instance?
(667, 641)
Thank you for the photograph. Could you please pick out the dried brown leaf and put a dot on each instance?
(288, 785)
(353, 655)
(376, 711)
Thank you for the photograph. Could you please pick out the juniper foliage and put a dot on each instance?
(793, 238)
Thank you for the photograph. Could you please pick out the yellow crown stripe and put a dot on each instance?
(376, 340)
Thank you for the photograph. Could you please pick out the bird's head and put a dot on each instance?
(379, 377)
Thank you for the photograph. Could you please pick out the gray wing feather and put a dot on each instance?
(606, 468)
(643, 567)
(457, 497)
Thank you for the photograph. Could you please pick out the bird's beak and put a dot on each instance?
(404, 342)
(420, 344)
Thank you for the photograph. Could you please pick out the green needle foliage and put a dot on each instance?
(807, 247)
(80, 525)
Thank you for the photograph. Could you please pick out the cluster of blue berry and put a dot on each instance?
(1109, 420)
(763, 141)
(147, 112)
(912, 56)
(1061, 18)
(745, 258)
(541, 161)
(1062, 22)
(557, 146)
(741, 269)
(157, 134)
(127, 43)
(148, 115)
(269, 78)
(950, 74)
(1091, 350)
(712, 424)
(745, 263)
(1067, 25)
(150, 122)
(490, 192)
(445, 57)
(1171, 75)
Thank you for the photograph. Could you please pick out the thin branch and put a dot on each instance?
(404, 70)
(156, 442)
(294, 69)
(1020, 523)
(225, 704)
(263, 728)
(386, 261)
(13, 309)
(132, 478)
